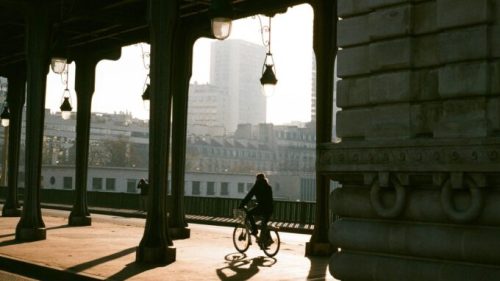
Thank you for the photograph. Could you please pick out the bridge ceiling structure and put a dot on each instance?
(93, 25)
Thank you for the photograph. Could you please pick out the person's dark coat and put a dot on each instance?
(264, 195)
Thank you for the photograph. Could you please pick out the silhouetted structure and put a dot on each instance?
(419, 123)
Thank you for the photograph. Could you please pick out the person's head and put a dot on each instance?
(261, 178)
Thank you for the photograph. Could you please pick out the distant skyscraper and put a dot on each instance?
(235, 68)
(207, 106)
(313, 88)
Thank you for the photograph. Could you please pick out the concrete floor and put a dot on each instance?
(106, 251)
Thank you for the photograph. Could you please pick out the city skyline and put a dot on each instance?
(123, 80)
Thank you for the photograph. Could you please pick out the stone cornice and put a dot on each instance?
(430, 155)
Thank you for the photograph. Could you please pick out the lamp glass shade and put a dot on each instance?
(65, 115)
(268, 89)
(58, 65)
(66, 109)
(5, 122)
(5, 117)
(221, 27)
(146, 104)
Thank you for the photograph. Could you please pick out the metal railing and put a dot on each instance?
(284, 211)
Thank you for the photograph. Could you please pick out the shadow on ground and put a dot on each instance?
(131, 270)
(14, 241)
(239, 267)
(318, 268)
(83, 266)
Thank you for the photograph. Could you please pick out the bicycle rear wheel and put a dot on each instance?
(272, 246)
(241, 238)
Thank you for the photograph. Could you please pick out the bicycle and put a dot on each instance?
(242, 240)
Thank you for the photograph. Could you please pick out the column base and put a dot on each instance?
(31, 234)
(319, 249)
(155, 255)
(11, 212)
(79, 220)
(179, 232)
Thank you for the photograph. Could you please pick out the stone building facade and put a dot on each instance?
(419, 160)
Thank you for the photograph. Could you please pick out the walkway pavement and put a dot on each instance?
(106, 251)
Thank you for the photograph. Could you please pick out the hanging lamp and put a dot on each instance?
(268, 79)
(5, 116)
(221, 13)
(66, 104)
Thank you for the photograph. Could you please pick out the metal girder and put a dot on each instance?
(116, 23)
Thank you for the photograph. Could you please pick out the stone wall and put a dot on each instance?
(419, 159)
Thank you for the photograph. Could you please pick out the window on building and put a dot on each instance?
(132, 186)
(210, 188)
(241, 187)
(224, 188)
(110, 184)
(96, 183)
(249, 186)
(67, 182)
(196, 188)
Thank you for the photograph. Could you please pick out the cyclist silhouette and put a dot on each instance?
(264, 195)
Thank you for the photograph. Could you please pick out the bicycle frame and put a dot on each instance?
(242, 230)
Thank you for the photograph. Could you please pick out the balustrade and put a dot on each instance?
(284, 211)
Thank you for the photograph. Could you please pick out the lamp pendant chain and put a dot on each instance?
(66, 72)
(269, 36)
(145, 58)
(65, 78)
(146, 62)
(265, 33)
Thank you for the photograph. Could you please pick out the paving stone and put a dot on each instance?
(106, 251)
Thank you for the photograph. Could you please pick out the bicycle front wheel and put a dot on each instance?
(241, 238)
(273, 244)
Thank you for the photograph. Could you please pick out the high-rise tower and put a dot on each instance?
(235, 68)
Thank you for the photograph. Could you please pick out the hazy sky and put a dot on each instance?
(119, 84)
